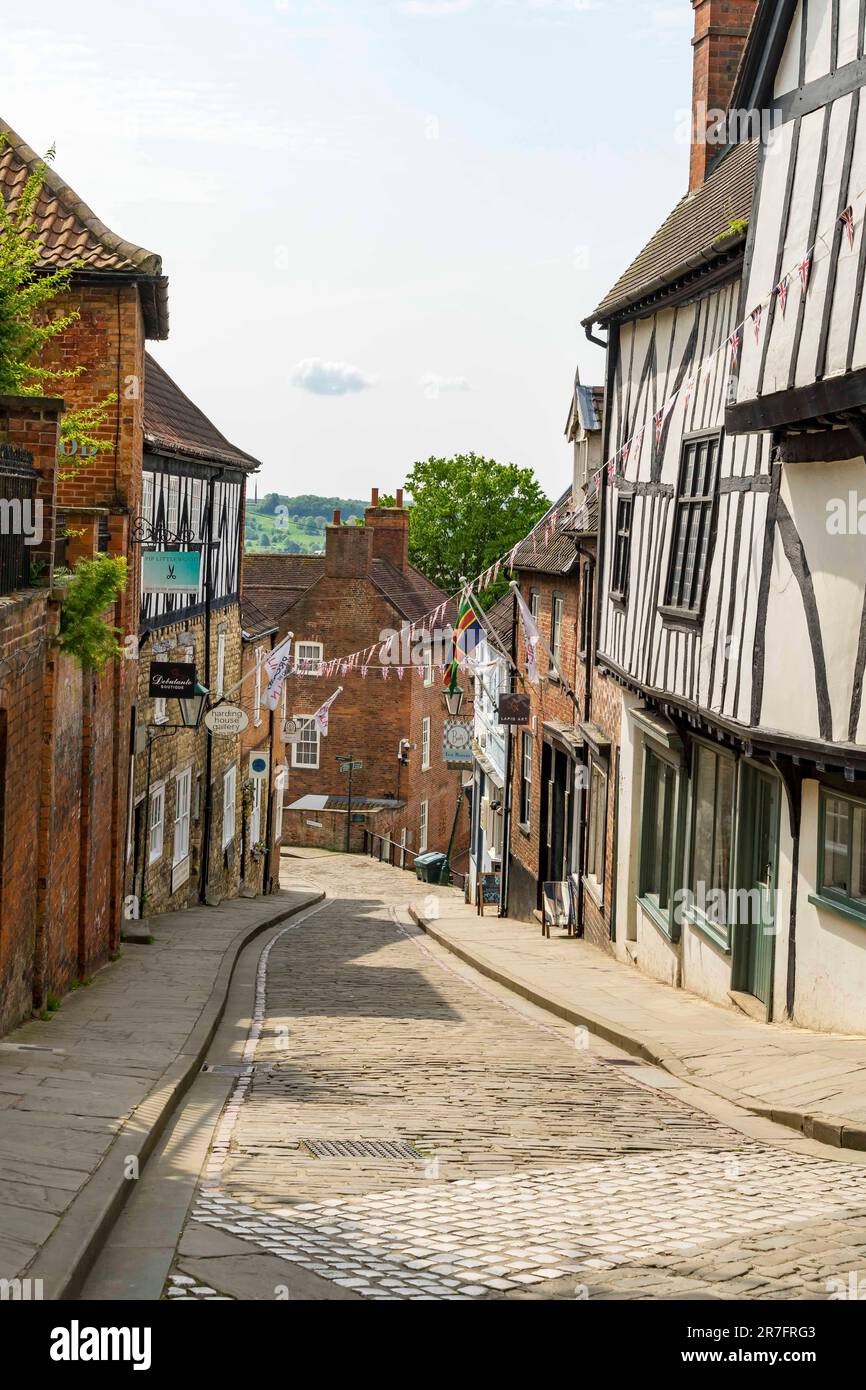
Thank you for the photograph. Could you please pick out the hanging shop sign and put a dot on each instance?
(292, 730)
(226, 720)
(513, 709)
(170, 571)
(457, 743)
(172, 680)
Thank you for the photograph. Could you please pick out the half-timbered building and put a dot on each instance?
(186, 827)
(729, 613)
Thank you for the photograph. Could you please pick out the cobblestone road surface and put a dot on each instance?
(542, 1166)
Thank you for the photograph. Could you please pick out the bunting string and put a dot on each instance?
(568, 511)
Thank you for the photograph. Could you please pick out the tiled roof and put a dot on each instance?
(553, 556)
(174, 423)
(276, 582)
(70, 232)
(501, 617)
(694, 235)
(254, 620)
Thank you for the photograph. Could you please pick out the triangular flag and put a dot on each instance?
(782, 293)
(848, 218)
(735, 339)
(755, 316)
(806, 271)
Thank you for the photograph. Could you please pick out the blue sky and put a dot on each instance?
(382, 222)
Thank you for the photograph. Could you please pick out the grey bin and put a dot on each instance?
(429, 866)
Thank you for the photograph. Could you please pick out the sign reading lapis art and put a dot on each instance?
(170, 571)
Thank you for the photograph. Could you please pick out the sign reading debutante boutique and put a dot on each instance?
(171, 680)
(170, 571)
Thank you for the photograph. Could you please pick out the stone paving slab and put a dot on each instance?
(103, 1073)
(810, 1081)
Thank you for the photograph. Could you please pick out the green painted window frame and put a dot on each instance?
(830, 897)
(721, 936)
(664, 918)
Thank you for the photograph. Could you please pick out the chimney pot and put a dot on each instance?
(374, 497)
(336, 521)
(399, 501)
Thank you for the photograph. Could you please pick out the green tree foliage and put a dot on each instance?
(27, 324)
(466, 512)
(84, 631)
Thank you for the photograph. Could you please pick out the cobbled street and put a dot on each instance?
(518, 1158)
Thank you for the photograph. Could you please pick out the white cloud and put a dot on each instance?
(329, 378)
(434, 384)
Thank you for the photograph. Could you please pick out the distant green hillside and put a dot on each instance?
(294, 525)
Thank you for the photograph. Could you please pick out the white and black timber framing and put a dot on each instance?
(187, 505)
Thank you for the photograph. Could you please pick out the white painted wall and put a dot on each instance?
(831, 950)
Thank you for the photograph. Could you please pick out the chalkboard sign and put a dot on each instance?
(488, 891)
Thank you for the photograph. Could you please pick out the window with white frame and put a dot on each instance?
(157, 821)
(422, 827)
(305, 753)
(194, 505)
(160, 711)
(230, 796)
(428, 663)
(221, 664)
(279, 796)
(526, 780)
(256, 812)
(308, 657)
(596, 827)
(173, 504)
(257, 698)
(182, 799)
(556, 628)
(147, 496)
(425, 743)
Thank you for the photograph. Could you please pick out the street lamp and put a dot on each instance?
(454, 701)
(192, 707)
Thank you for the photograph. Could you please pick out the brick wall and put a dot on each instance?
(721, 30)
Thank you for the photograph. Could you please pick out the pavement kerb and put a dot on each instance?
(825, 1129)
(68, 1254)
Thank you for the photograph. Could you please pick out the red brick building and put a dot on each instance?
(390, 714)
(64, 769)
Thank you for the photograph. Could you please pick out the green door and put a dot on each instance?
(761, 824)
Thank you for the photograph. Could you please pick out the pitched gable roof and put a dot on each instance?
(555, 555)
(70, 231)
(277, 582)
(696, 235)
(173, 422)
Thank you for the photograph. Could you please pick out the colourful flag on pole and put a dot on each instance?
(460, 641)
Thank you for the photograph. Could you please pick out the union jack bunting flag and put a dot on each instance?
(735, 340)
(806, 271)
(496, 570)
(660, 421)
(638, 440)
(690, 386)
(611, 468)
(756, 320)
(782, 294)
(847, 218)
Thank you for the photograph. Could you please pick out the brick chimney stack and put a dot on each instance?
(721, 30)
(347, 550)
(389, 528)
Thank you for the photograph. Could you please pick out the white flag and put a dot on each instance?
(320, 718)
(531, 637)
(275, 666)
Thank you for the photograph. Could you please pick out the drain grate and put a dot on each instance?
(397, 1150)
(225, 1069)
